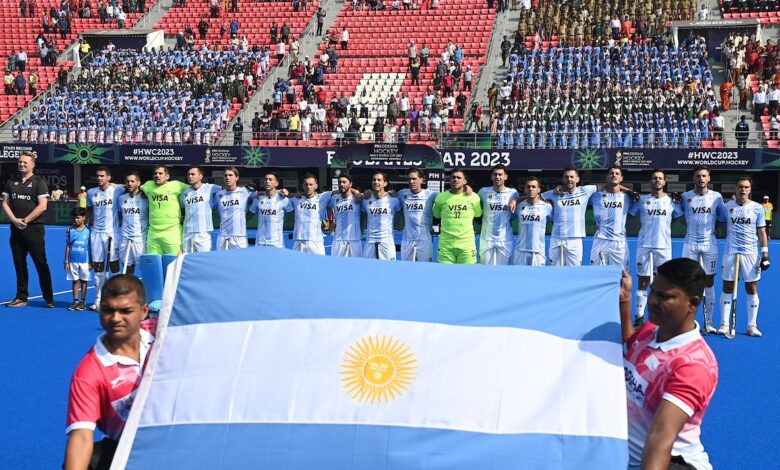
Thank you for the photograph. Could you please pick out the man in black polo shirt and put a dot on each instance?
(24, 202)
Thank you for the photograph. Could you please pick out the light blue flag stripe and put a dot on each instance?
(238, 286)
(350, 447)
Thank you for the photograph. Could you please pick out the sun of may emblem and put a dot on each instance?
(378, 369)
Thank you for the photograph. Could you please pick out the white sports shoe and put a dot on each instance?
(753, 330)
(724, 328)
(95, 306)
(709, 328)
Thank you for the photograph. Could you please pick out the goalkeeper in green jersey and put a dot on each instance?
(456, 209)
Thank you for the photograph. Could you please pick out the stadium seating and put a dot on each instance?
(254, 18)
(18, 33)
(376, 60)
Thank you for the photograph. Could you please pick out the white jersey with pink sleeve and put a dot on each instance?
(683, 371)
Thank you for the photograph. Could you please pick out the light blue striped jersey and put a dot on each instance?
(379, 217)
(270, 218)
(135, 215)
(418, 213)
(569, 211)
(655, 215)
(610, 211)
(741, 225)
(701, 213)
(496, 217)
(309, 214)
(347, 213)
(232, 208)
(198, 208)
(78, 241)
(105, 208)
(531, 225)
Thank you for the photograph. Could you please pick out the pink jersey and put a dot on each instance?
(104, 385)
(683, 371)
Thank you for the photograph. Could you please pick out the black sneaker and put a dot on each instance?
(74, 305)
(81, 306)
(639, 322)
(50, 304)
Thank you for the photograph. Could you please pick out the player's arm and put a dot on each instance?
(667, 424)
(626, 325)
(78, 451)
(677, 210)
(763, 240)
(476, 205)
(7, 209)
(436, 212)
(67, 248)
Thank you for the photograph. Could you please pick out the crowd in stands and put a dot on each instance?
(149, 96)
(582, 22)
(749, 6)
(629, 94)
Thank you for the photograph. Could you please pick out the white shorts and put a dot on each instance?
(197, 242)
(98, 244)
(231, 242)
(491, 253)
(422, 253)
(384, 251)
(137, 248)
(609, 253)
(708, 253)
(78, 272)
(347, 248)
(749, 267)
(310, 246)
(528, 258)
(660, 256)
(572, 251)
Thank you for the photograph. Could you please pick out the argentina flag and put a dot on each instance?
(275, 359)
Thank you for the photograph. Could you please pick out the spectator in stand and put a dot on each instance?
(320, 20)
(20, 83)
(21, 61)
(344, 38)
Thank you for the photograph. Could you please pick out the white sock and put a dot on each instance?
(641, 302)
(752, 309)
(725, 308)
(709, 303)
(100, 279)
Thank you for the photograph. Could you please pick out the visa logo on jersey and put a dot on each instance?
(378, 211)
(656, 212)
(414, 206)
(701, 210)
(613, 205)
(531, 218)
(741, 220)
(498, 207)
(457, 207)
(103, 203)
(267, 212)
(231, 203)
(194, 200)
(160, 197)
(312, 206)
(570, 202)
(132, 210)
(344, 208)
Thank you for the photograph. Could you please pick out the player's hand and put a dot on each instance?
(251, 187)
(512, 205)
(284, 192)
(367, 193)
(67, 266)
(764, 263)
(469, 190)
(626, 286)
(392, 192)
(634, 195)
(675, 196)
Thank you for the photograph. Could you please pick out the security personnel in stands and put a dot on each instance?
(238, 132)
(741, 132)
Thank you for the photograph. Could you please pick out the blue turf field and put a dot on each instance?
(41, 347)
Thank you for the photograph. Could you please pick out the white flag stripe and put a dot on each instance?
(467, 378)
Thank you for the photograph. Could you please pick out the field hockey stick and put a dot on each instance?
(703, 299)
(495, 256)
(733, 314)
(560, 255)
(602, 260)
(376, 250)
(349, 250)
(108, 256)
(127, 257)
(414, 254)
